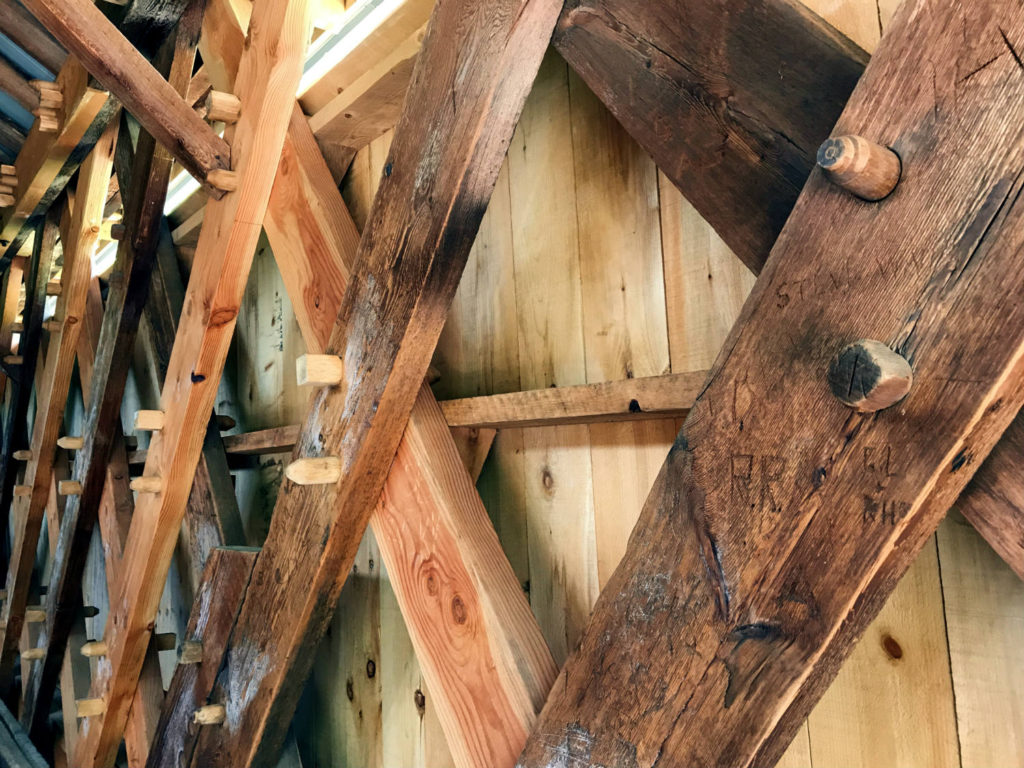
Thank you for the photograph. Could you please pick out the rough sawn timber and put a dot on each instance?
(471, 82)
(781, 520)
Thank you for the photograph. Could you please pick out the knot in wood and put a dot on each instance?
(868, 376)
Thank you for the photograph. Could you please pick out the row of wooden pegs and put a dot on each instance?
(8, 185)
(51, 105)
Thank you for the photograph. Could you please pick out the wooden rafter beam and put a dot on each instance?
(226, 246)
(447, 155)
(16, 85)
(47, 161)
(121, 68)
(128, 295)
(52, 397)
(782, 519)
(19, 25)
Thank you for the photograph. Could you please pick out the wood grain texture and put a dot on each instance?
(119, 66)
(763, 552)
(52, 396)
(15, 84)
(466, 107)
(19, 25)
(268, 75)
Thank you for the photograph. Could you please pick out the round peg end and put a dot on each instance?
(868, 376)
(861, 167)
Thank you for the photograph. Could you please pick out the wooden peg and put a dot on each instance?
(861, 167)
(89, 707)
(225, 422)
(13, 359)
(33, 654)
(23, 490)
(35, 615)
(52, 326)
(222, 107)
(23, 455)
(17, 327)
(69, 488)
(53, 288)
(95, 649)
(191, 652)
(165, 641)
(6, 200)
(111, 230)
(211, 714)
(146, 484)
(71, 443)
(319, 370)
(222, 179)
(90, 611)
(868, 376)
(150, 421)
(314, 471)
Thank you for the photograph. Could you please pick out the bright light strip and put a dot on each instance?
(104, 259)
(181, 188)
(354, 26)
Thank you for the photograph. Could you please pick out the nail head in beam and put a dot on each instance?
(211, 714)
(53, 288)
(150, 421)
(146, 485)
(223, 107)
(35, 615)
(94, 649)
(323, 470)
(90, 707)
(70, 443)
(69, 488)
(222, 179)
(23, 455)
(319, 370)
(13, 359)
(868, 376)
(861, 167)
(191, 652)
(33, 654)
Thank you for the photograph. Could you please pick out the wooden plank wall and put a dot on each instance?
(591, 267)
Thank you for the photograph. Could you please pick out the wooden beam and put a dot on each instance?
(226, 246)
(16, 85)
(119, 66)
(19, 25)
(782, 519)
(127, 297)
(214, 612)
(11, 136)
(16, 749)
(444, 162)
(47, 161)
(52, 398)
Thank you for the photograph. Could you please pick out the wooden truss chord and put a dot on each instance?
(19, 25)
(781, 520)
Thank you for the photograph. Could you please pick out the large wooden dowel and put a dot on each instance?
(83, 29)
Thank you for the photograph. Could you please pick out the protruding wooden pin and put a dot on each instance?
(52, 326)
(6, 200)
(23, 490)
(14, 359)
(314, 471)
(69, 443)
(23, 455)
(35, 614)
(146, 484)
(90, 611)
(150, 421)
(90, 707)
(33, 654)
(222, 107)
(211, 714)
(859, 166)
(69, 488)
(94, 649)
(319, 370)
(53, 288)
(868, 376)
(191, 652)
(225, 422)
(222, 179)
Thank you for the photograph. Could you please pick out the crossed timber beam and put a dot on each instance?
(782, 519)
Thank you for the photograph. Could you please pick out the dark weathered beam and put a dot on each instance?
(782, 519)
(730, 97)
(11, 136)
(16, 749)
(19, 25)
(16, 85)
(120, 67)
(128, 295)
(218, 600)
(231, 229)
(449, 147)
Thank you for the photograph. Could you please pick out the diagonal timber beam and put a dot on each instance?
(471, 83)
(782, 519)
(273, 54)
(120, 67)
(47, 161)
(19, 25)
(128, 294)
(52, 396)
